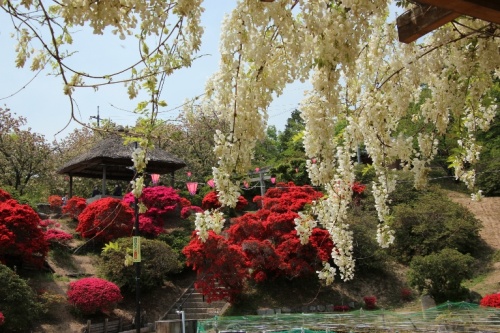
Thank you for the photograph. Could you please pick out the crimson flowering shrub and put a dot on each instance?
(491, 300)
(74, 207)
(2, 319)
(185, 202)
(406, 294)
(159, 201)
(91, 295)
(266, 242)
(288, 196)
(106, 219)
(210, 201)
(370, 302)
(55, 201)
(57, 237)
(224, 275)
(187, 211)
(341, 308)
(20, 237)
(53, 235)
(4, 196)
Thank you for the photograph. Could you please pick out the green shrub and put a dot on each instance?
(441, 274)
(177, 240)
(18, 302)
(431, 223)
(158, 260)
(370, 257)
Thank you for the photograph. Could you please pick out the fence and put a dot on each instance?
(449, 317)
(108, 326)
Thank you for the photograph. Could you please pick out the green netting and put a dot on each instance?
(449, 317)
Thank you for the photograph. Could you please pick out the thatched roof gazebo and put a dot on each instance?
(111, 159)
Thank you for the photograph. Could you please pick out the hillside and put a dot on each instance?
(60, 318)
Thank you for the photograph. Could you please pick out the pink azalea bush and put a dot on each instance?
(53, 235)
(91, 295)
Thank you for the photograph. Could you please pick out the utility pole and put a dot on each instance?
(98, 117)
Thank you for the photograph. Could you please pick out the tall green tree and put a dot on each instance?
(24, 155)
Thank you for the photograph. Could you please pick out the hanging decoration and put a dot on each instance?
(155, 178)
(211, 183)
(192, 187)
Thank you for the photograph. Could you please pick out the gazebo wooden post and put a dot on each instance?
(172, 179)
(103, 180)
(70, 186)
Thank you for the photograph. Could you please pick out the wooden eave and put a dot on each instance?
(431, 14)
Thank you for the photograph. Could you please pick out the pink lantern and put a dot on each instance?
(155, 177)
(313, 161)
(211, 183)
(245, 183)
(273, 179)
(296, 170)
(189, 174)
(257, 169)
(192, 186)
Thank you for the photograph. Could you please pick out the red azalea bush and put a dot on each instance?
(159, 201)
(491, 300)
(2, 319)
(187, 211)
(74, 207)
(370, 302)
(20, 237)
(266, 241)
(406, 294)
(4, 196)
(106, 219)
(55, 201)
(288, 196)
(210, 201)
(226, 272)
(185, 202)
(91, 295)
(341, 308)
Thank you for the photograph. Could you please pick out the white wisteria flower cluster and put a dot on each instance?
(208, 220)
(364, 85)
(364, 81)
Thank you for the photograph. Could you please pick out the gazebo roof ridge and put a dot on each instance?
(111, 154)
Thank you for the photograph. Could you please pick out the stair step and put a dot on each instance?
(190, 316)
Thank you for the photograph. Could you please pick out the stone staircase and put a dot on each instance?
(194, 307)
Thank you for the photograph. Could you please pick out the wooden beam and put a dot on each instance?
(421, 20)
(488, 10)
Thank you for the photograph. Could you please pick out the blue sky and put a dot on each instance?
(46, 108)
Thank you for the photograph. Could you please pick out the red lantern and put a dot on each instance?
(211, 183)
(189, 174)
(155, 177)
(192, 186)
(273, 179)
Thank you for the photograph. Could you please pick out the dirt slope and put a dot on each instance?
(487, 211)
